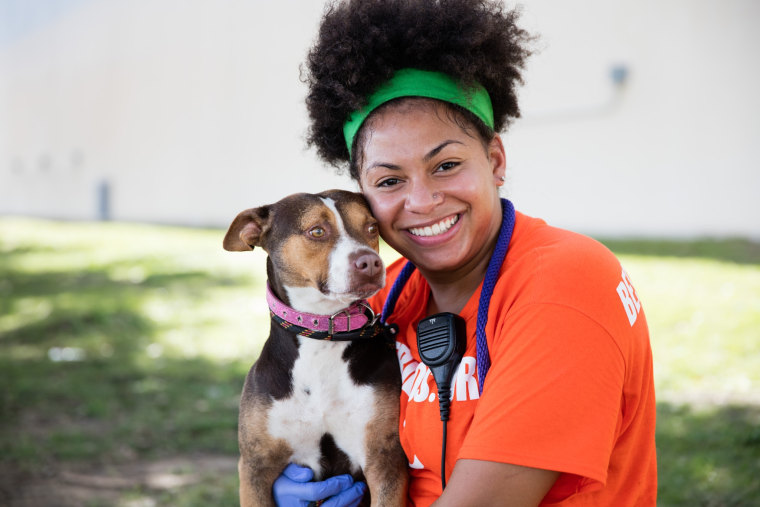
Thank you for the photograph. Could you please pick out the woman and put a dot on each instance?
(555, 405)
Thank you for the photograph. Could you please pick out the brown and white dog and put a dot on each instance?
(330, 404)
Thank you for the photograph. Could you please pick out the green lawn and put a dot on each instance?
(125, 345)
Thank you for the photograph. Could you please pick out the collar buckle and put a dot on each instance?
(371, 318)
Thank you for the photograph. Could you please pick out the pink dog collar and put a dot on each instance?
(349, 319)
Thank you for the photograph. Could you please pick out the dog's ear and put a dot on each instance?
(247, 230)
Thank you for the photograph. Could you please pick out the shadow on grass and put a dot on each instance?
(109, 401)
(77, 381)
(708, 457)
(81, 386)
(101, 280)
(66, 327)
(95, 414)
(68, 307)
(738, 250)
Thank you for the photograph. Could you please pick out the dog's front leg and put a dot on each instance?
(249, 494)
(256, 480)
(262, 457)
(387, 468)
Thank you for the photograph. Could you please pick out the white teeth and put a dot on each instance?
(435, 229)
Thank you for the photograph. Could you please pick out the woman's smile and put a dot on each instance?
(436, 229)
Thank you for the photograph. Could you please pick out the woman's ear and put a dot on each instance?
(498, 159)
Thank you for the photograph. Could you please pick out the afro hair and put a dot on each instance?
(362, 43)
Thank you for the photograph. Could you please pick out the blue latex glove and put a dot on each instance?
(293, 489)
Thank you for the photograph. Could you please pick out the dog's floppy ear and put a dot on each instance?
(247, 230)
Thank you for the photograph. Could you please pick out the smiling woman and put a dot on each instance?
(553, 400)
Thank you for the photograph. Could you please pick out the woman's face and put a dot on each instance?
(432, 186)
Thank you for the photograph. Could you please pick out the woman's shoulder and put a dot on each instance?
(547, 264)
(570, 284)
(550, 247)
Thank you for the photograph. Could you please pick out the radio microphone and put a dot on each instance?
(441, 340)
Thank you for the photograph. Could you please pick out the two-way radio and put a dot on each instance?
(441, 340)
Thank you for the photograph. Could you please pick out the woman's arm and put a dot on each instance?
(477, 483)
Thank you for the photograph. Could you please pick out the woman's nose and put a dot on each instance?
(422, 197)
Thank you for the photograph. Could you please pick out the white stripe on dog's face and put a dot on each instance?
(340, 258)
(338, 288)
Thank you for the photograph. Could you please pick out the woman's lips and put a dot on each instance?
(436, 229)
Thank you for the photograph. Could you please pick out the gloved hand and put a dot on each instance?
(293, 489)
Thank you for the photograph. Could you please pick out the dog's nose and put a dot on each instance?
(368, 263)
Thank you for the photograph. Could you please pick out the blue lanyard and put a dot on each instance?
(492, 274)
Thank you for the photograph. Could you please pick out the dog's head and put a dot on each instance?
(322, 248)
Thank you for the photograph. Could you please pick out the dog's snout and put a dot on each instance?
(367, 263)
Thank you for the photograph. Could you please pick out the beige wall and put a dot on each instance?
(192, 110)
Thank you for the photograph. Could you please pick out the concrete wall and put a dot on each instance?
(191, 110)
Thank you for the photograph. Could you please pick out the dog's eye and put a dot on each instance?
(372, 229)
(316, 232)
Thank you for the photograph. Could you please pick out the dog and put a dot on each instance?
(324, 392)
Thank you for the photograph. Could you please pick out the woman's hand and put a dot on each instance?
(294, 489)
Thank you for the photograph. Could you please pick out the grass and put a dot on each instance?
(124, 344)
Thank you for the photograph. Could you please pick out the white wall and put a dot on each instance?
(676, 151)
(193, 110)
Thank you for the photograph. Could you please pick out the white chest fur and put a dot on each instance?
(325, 400)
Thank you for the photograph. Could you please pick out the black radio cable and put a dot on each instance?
(441, 341)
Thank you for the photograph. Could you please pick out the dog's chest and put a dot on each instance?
(325, 400)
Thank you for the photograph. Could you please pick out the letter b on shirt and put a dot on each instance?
(628, 297)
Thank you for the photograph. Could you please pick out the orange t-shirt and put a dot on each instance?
(570, 387)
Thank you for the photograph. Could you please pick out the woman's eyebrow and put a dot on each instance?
(429, 155)
(387, 165)
(432, 153)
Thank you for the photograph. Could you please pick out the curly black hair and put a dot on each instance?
(362, 43)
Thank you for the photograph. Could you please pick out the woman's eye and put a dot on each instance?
(389, 182)
(447, 166)
(316, 232)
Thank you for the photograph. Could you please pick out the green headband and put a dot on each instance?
(422, 83)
